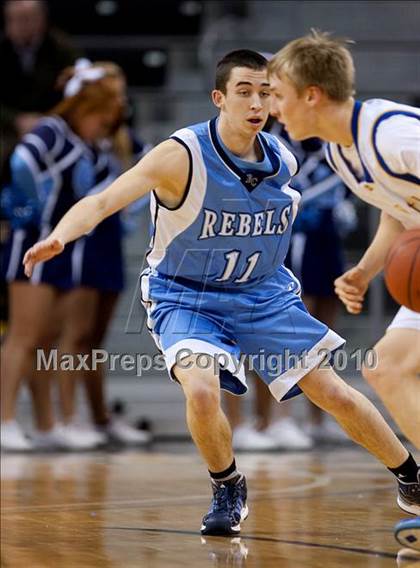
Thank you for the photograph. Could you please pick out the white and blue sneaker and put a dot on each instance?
(407, 533)
(228, 508)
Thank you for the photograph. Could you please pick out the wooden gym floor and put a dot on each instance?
(317, 509)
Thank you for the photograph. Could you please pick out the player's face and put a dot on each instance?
(246, 103)
(291, 108)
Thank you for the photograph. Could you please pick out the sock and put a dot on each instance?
(230, 474)
(407, 471)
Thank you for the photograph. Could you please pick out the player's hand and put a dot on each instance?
(40, 252)
(351, 288)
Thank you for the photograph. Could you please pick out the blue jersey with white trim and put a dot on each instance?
(383, 164)
(51, 169)
(233, 226)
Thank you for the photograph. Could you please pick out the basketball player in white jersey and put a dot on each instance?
(221, 194)
(375, 147)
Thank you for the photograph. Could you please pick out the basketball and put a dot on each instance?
(402, 270)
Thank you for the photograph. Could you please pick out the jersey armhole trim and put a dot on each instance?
(188, 184)
(406, 177)
(153, 237)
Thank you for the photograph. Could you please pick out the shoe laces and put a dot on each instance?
(220, 497)
(227, 498)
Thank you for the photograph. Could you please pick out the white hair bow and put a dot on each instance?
(84, 73)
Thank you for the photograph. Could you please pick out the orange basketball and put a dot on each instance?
(402, 270)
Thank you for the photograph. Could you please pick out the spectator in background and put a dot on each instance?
(99, 278)
(52, 167)
(32, 55)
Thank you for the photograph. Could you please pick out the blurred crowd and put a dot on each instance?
(65, 134)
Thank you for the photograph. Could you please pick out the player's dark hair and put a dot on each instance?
(238, 58)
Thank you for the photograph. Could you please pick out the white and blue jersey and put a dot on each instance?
(382, 167)
(216, 283)
(51, 169)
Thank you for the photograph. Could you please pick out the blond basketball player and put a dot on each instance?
(375, 147)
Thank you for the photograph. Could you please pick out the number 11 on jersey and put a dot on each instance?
(232, 259)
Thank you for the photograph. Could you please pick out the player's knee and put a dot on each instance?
(387, 374)
(324, 389)
(200, 386)
(337, 399)
(204, 399)
(377, 376)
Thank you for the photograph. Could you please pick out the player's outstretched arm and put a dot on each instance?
(351, 286)
(164, 167)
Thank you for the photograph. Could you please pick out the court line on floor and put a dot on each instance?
(319, 482)
(173, 501)
(364, 551)
(286, 493)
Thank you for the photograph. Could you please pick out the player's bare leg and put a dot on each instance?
(365, 425)
(355, 413)
(212, 435)
(396, 379)
(325, 309)
(206, 420)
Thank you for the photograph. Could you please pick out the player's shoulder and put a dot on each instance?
(381, 111)
(169, 159)
(192, 132)
(389, 121)
(391, 134)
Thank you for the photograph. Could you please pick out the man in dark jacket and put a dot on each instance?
(32, 56)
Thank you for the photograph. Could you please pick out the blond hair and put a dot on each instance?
(317, 59)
